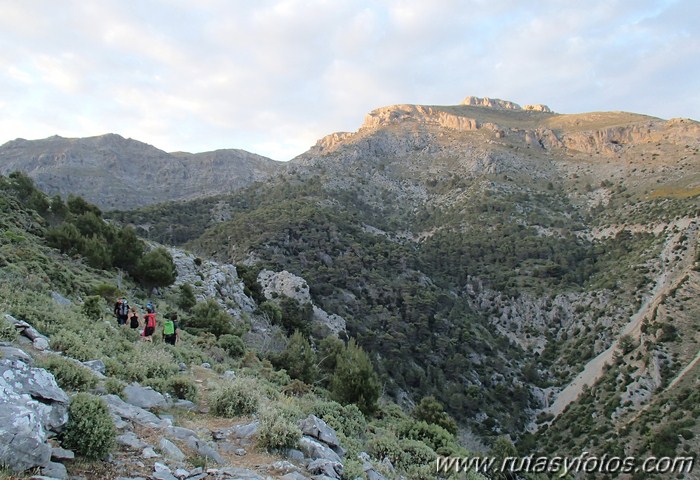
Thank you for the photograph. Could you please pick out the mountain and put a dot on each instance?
(496, 258)
(485, 253)
(114, 172)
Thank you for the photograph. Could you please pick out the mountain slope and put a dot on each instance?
(484, 255)
(114, 172)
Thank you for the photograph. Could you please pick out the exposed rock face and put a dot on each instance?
(212, 280)
(290, 285)
(114, 172)
(32, 408)
(490, 103)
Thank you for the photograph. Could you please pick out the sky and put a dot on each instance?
(274, 76)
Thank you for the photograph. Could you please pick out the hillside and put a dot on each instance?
(113, 172)
(484, 254)
(235, 397)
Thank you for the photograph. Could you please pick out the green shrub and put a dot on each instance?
(182, 387)
(114, 386)
(241, 397)
(208, 317)
(298, 359)
(90, 430)
(74, 345)
(92, 308)
(352, 469)
(69, 374)
(186, 299)
(232, 344)
(432, 435)
(345, 419)
(354, 379)
(277, 432)
(8, 332)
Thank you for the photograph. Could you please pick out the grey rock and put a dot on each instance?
(229, 375)
(206, 365)
(170, 450)
(184, 405)
(55, 470)
(180, 433)
(182, 367)
(61, 454)
(41, 344)
(283, 466)
(314, 449)
(196, 471)
(131, 412)
(240, 452)
(11, 353)
(374, 475)
(317, 428)
(130, 440)
(161, 467)
(293, 476)
(60, 299)
(119, 423)
(163, 476)
(32, 407)
(240, 473)
(205, 450)
(97, 366)
(325, 467)
(295, 455)
(181, 473)
(144, 397)
(242, 432)
(148, 452)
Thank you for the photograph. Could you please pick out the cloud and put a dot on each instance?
(274, 76)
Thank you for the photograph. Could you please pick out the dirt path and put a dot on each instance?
(673, 273)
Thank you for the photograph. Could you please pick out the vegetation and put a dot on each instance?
(90, 429)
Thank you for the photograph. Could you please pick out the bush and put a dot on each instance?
(90, 430)
(183, 388)
(298, 359)
(241, 397)
(355, 380)
(431, 411)
(8, 332)
(209, 317)
(232, 344)
(74, 345)
(69, 374)
(156, 269)
(92, 308)
(276, 431)
(186, 300)
(114, 386)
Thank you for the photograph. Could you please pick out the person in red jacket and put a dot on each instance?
(149, 322)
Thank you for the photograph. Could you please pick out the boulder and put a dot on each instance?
(314, 449)
(55, 470)
(130, 440)
(317, 428)
(8, 352)
(32, 408)
(205, 450)
(97, 366)
(132, 413)
(170, 450)
(144, 397)
(325, 467)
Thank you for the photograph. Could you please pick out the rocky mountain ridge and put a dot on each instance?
(114, 172)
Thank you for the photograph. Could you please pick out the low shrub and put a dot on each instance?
(74, 345)
(232, 344)
(277, 432)
(69, 374)
(8, 332)
(114, 386)
(90, 430)
(241, 397)
(182, 387)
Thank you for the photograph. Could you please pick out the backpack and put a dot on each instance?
(168, 327)
(151, 320)
(124, 309)
(134, 321)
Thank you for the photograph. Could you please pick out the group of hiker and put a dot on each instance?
(126, 314)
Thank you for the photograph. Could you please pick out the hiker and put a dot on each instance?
(170, 331)
(121, 310)
(134, 318)
(149, 321)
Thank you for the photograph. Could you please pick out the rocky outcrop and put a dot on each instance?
(287, 284)
(214, 280)
(33, 408)
(494, 103)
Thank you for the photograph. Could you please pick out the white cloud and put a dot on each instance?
(274, 76)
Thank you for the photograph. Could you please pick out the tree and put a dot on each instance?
(209, 317)
(127, 249)
(299, 359)
(431, 411)
(78, 206)
(354, 379)
(156, 269)
(186, 300)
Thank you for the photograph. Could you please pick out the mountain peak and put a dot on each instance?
(498, 104)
